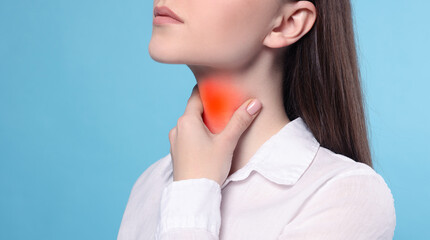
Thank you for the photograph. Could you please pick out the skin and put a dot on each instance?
(232, 45)
(220, 98)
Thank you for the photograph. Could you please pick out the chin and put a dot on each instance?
(164, 53)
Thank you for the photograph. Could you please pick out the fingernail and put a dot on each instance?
(253, 106)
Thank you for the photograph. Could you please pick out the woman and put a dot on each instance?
(296, 164)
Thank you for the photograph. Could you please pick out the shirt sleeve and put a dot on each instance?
(190, 209)
(350, 207)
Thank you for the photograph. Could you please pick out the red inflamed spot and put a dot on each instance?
(220, 98)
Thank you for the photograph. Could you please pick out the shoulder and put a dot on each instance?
(149, 185)
(157, 172)
(333, 166)
(349, 200)
(144, 199)
(355, 188)
(337, 168)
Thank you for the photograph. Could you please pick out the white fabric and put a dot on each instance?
(292, 188)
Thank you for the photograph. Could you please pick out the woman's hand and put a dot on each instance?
(196, 151)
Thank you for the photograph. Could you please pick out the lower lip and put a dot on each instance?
(164, 20)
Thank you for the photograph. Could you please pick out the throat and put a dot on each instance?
(220, 98)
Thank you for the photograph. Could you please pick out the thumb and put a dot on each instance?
(241, 120)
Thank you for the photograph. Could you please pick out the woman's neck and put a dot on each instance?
(222, 92)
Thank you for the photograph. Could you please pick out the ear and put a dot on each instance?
(294, 21)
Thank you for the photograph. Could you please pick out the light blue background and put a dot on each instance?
(84, 111)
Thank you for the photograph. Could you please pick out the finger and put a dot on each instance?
(241, 120)
(194, 105)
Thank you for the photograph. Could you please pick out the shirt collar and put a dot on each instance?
(284, 157)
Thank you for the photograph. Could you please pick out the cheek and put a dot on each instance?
(226, 35)
(223, 33)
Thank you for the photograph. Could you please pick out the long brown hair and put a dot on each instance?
(321, 82)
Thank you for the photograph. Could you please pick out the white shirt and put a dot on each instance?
(291, 188)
